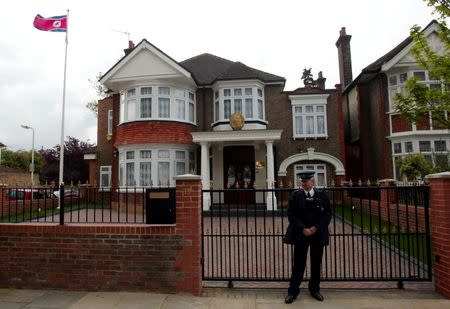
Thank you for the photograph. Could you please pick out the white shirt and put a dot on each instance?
(311, 192)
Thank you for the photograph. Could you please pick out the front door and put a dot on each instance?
(239, 173)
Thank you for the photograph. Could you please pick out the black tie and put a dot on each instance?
(308, 195)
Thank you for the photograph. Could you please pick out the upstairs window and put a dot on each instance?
(310, 121)
(249, 101)
(157, 102)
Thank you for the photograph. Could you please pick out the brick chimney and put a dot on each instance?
(130, 47)
(345, 58)
(321, 81)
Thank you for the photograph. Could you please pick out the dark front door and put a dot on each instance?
(239, 173)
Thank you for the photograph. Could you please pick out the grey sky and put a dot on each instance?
(279, 37)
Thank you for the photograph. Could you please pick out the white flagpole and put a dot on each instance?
(61, 152)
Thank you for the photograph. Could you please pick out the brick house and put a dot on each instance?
(232, 124)
(374, 134)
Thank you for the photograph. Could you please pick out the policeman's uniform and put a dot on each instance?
(305, 210)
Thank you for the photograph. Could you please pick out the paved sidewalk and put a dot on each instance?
(222, 298)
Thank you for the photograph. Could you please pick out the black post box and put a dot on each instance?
(160, 206)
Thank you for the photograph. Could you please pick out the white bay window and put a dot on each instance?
(153, 102)
(146, 166)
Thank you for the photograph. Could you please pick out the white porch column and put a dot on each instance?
(271, 200)
(205, 175)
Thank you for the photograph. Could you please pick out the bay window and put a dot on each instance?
(157, 102)
(247, 100)
(145, 166)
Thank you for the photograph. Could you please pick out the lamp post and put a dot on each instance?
(32, 158)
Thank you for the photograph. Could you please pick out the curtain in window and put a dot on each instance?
(180, 109)
(298, 125)
(180, 168)
(320, 125)
(260, 109)
(216, 109)
(248, 108)
(238, 105)
(145, 171)
(227, 109)
(130, 174)
(163, 173)
(163, 107)
(131, 109)
(309, 124)
(146, 107)
(191, 112)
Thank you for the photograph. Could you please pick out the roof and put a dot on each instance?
(375, 66)
(2, 145)
(208, 68)
(309, 90)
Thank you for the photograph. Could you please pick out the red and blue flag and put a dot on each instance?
(54, 23)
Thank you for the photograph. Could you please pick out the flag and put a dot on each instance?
(54, 23)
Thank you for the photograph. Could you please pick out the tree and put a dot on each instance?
(21, 160)
(419, 100)
(76, 169)
(413, 166)
(100, 89)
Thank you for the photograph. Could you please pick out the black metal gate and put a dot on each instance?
(376, 234)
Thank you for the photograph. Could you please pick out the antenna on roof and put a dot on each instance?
(123, 32)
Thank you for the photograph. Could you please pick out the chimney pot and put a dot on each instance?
(130, 44)
(342, 32)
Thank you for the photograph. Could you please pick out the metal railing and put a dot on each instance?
(383, 234)
(79, 204)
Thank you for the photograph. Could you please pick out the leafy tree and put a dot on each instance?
(419, 100)
(21, 160)
(100, 89)
(76, 169)
(413, 166)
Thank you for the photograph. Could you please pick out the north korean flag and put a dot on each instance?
(54, 23)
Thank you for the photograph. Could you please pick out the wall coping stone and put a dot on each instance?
(443, 175)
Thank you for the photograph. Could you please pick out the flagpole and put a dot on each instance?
(61, 151)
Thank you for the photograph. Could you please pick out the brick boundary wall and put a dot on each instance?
(108, 257)
(440, 230)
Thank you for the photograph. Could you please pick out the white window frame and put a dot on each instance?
(110, 121)
(299, 168)
(105, 170)
(315, 100)
(189, 161)
(416, 149)
(187, 96)
(238, 92)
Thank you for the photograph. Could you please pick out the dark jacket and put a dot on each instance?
(296, 208)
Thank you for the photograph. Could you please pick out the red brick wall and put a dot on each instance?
(154, 132)
(423, 124)
(440, 231)
(108, 257)
(400, 124)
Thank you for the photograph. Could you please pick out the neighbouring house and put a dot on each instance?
(234, 125)
(374, 134)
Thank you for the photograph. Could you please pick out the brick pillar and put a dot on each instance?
(387, 196)
(188, 224)
(339, 180)
(440, 230)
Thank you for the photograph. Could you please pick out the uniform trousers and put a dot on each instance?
(314, 243)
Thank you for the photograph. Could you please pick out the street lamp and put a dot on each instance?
(32, 158)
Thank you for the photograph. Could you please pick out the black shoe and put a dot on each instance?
(290, 298)
(316, 295)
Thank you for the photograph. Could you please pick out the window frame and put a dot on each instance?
(173, 97)
(302, 167)
(108, 172)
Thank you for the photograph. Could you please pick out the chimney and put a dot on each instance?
(345, 58)
(321, 81)
(130, 47)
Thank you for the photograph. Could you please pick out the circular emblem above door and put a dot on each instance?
(237, 121)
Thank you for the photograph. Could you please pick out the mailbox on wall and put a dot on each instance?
(160, 206)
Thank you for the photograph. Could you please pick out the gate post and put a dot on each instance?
(188, 224)
(440, 230)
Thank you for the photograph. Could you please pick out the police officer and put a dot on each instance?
(309, 215)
